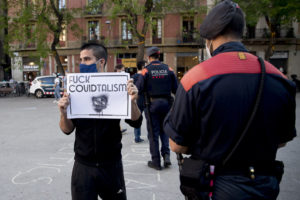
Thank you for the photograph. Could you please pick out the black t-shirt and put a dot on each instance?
(99, 140)
(215, 99)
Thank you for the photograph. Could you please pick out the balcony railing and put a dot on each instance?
(265, 33)
(27, 45)
(93, 10)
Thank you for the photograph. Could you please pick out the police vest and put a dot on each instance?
(158, 81)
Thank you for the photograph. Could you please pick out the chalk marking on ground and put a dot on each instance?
(51, 165)
(143, 185)
(14, 181)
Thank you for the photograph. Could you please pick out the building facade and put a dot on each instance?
(175, 34)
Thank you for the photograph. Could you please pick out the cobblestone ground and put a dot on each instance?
(37, 159)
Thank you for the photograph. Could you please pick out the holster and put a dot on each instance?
(195, 176)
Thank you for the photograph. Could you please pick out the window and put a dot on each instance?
(62, 4)
(250, 31)
(188, 29)
(126, 33)
(157, 31)
(94, 7)
(30, 31)
(47, 80)
(94, 32)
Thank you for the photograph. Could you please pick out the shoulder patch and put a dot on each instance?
(242, 55)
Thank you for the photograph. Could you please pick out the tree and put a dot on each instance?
(275, 13)
(37, 21)
(4, 59)
(143, 11)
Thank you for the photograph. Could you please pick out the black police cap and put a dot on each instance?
(217, 19)
(152, 50)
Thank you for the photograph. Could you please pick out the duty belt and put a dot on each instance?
(251, 170)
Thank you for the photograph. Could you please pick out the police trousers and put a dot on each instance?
(158, 111)
(235, 187)
(105, 181)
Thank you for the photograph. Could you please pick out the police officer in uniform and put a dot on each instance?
(158, 81)
(212, 107)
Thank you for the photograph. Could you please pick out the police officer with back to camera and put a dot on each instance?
(157, 82)
(212, 107)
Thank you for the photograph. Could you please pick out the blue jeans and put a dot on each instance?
(57, 93)
(137, 134)
(158, 112)
(137, 131)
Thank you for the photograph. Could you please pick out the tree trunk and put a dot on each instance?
(59, 66)
(270, 49)
(3, 34)
(141, 50)
(1, 73)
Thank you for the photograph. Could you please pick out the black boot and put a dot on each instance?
(154, 166)
(167, 160)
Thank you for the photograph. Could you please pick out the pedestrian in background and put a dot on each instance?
(214, 104)
(119, 68)
(157, 82)
(56, 89)
(140, 100)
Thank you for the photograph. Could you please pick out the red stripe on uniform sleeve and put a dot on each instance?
(225, 63)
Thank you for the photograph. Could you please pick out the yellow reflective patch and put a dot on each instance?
(242, 56)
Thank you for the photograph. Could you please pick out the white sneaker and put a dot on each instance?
(54, 101)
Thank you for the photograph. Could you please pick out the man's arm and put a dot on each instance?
(133, 92)
(177, 148)
(65, 124)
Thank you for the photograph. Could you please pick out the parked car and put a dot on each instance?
(43, 86)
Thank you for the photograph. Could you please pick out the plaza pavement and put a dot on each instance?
(37, 158)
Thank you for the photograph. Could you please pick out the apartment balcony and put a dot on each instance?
(27, 45)
(253, 33)
(92, 12)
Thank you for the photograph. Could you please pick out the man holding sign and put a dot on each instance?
(98, 169)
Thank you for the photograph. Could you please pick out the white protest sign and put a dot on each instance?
(98, 95)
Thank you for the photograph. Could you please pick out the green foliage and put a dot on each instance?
(146, 9)
(32, 22)
(279, 11)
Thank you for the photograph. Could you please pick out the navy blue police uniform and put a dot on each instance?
(213, 104)
(159, 81)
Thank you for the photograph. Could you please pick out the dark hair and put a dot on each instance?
(119, 66)
(140, 65)
(235, 28)
(99, 51)
(155, 56)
